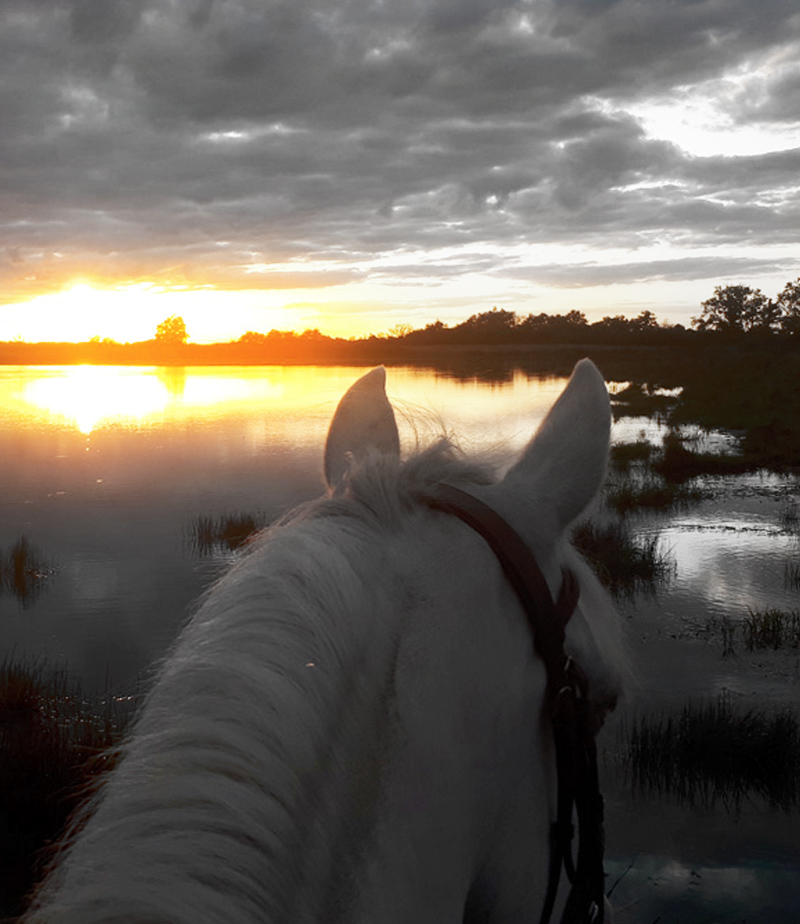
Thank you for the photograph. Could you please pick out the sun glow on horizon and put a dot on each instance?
(130, 312)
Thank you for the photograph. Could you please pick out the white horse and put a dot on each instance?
(351, 726)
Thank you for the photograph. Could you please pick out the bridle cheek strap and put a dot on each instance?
(568, 707)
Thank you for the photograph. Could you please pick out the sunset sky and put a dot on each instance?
(352, 165)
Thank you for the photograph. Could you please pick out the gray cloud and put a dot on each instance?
(148, 139)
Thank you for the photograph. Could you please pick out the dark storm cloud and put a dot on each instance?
(154, 139)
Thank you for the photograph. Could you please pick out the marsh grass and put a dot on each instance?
(641, 400)
(225, 533)
(677, 464)
(623, 563)
(23, 571)
(631, 494)
(790, 516)
(791, 575)
(727, 629)
(623, 455)
(770, 628)
(54, 742)
(713, 753)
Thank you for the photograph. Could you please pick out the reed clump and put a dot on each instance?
(630, 495)
(791, 575)
(772, 628)
(226, 533)
(23, 571)
(623, 455)
(640, 399)
(677, 463)
(622, 562)
(713, 752)
(54, 742)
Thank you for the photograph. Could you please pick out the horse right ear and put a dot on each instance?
(364, 421)
(564, 465)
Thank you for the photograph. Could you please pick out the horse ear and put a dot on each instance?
(364, 421)
(564, 465)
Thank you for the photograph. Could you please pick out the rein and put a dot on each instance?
(571, 717)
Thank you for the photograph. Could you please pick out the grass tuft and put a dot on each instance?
(772, 628)
(629, 495)
(226, 533)
(712, 752)
(791, 575)
(623, 564)
(54, 743)
(790, 516)
(23, 571)
(678, 464)
(624, 455)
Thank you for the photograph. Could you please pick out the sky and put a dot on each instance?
(354, 165)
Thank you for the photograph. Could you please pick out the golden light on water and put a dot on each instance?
(288, 404)
(90, 397)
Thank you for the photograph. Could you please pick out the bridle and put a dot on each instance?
(573, 722)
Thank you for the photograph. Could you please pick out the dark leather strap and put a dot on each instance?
(547, 620)
(573, 732)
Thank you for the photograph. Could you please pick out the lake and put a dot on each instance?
(109, 473)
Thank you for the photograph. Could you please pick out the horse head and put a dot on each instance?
(354, 725)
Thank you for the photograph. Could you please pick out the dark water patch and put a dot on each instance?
(713, 753)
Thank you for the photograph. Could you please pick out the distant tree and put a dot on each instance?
(646, 321)
(400, 330)
(253, 338)
(435, 332)
(738, 310)
(553, 328)
(487, 327)
(789, 305)
(172, 330)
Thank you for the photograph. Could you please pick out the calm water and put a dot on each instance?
(105, 470)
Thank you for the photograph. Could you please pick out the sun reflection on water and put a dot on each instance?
(90, 397)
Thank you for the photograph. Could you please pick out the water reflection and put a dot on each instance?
(87, 397)
(662, 888)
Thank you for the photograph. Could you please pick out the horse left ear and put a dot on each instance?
(364, 421)
(564, 465)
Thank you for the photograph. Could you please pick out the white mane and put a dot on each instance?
(267, 774)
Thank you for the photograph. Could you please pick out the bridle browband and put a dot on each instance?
(574, 725)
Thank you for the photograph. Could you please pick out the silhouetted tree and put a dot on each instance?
(492, 326)
(172, 330)
(738, 310)
(646, 321)
(789, 305)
